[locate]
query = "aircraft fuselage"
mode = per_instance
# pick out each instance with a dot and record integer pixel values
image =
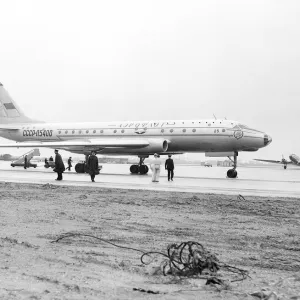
(295, 159)
(180, 136)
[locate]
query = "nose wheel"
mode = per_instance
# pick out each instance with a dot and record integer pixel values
(141, 168)
(232, 173)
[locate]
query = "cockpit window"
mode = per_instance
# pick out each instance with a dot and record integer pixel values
(244, 127)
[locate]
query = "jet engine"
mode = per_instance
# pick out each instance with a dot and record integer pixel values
(156, 145)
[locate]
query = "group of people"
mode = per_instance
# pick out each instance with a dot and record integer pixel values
(47, 162)
(92, 165)
(155, 167)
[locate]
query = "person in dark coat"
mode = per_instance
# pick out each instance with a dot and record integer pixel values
(25, 162)
(46, 163)
(169, 165)
(69, 163)
(93, 165)
(59, 165)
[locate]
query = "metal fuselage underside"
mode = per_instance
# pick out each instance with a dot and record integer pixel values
(181, 136)
(295, 159)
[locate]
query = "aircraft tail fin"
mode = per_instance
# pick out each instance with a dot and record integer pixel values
(9, 110)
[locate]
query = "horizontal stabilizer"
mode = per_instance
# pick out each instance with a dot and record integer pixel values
(8, 127)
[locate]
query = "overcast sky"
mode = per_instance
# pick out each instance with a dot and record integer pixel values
(141, 60)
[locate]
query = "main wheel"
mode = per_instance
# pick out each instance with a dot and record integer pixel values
(79, 168)
(134, 169)
(144, 169)
(231, 173)
(284, 167)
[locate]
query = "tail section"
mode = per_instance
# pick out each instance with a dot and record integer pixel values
(9, 110)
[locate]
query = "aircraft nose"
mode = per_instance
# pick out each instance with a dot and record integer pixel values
(267, 139)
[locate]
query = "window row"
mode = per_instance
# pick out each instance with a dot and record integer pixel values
(115, 131)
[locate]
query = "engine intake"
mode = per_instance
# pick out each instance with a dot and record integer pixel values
(157, 145)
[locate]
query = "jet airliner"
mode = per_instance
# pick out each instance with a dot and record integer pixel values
(294, 160)
(215, 137)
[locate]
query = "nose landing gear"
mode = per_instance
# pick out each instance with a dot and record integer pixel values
(140, 167)
(232, 173)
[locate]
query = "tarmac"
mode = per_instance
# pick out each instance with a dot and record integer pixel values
(268, 182)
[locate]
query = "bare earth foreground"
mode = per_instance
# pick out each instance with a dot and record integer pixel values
(258, 234)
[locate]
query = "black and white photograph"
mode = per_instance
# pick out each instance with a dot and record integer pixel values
(149, 149)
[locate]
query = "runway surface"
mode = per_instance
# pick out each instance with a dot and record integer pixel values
(273, 181)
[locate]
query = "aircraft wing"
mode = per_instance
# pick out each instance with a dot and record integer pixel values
(8, 127)
(101, 143)
(274, 161)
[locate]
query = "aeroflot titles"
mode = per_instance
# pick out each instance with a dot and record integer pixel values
(154, 124)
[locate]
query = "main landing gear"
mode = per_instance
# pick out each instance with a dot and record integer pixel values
(232, 173)
(140, 167)
(81, 167)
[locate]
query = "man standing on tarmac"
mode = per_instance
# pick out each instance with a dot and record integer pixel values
(25, 162)
(69, 163)
(93, 166)
(155, 167)
(59, 165)
(169, 165)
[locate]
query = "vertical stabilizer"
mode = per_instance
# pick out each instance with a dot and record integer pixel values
(9, 110)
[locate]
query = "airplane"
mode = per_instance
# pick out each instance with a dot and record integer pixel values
(141, 138)
(294, 160)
